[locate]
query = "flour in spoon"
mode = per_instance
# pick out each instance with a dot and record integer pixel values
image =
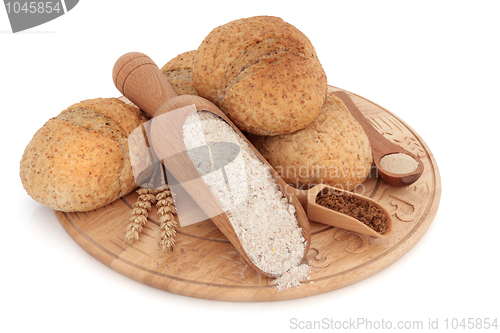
(263, 218)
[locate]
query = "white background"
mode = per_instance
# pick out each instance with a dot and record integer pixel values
(435, 64)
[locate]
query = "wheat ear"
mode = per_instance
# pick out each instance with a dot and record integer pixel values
(139, 213)
(166, 211)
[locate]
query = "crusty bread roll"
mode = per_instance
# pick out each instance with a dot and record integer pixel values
(263, 73)
(333, 150)
(79, 160)
(179, 73)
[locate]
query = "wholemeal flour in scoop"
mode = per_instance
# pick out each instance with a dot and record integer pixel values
(263, 218)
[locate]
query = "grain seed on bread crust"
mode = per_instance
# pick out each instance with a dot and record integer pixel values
(263, 73)
(79, 160)
(179, 73)
(333, 150)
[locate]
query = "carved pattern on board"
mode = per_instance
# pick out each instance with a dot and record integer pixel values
(393, 130)
(406, 205)
(356, 242)
(317, 259)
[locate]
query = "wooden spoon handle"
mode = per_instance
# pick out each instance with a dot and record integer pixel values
(370, 131)
(379, 144)
(139, 79)
(382, 146)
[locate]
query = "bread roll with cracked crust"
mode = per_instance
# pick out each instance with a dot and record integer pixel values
(179, 73)
(79, 160)
(263, 73)
(333, 150)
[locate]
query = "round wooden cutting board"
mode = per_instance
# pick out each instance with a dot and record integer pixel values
(205, 265)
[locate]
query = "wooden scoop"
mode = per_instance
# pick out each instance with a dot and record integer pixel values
(318, 213)
(382, 147)
(139, 79)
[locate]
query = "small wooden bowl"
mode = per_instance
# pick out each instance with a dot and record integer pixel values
(318, 213)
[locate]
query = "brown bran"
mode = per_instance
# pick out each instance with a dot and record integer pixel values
(363, 211)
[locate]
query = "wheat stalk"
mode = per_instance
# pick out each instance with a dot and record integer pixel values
(166, 211)
(139, 213)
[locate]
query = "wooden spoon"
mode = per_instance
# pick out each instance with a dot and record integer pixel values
(382, 147)
(139, 79)
(318, 213)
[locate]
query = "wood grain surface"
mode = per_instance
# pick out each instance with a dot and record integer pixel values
(205, 265)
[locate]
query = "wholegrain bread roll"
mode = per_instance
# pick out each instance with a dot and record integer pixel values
(179, 73)
(79, 160)
(333, 150)
(263, 73)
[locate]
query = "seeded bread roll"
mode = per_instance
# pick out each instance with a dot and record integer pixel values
(333, 150)
(79, 160)
(263, 73)
(179, 73)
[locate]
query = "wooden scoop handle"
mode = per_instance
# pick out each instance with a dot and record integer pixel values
(139, 78)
